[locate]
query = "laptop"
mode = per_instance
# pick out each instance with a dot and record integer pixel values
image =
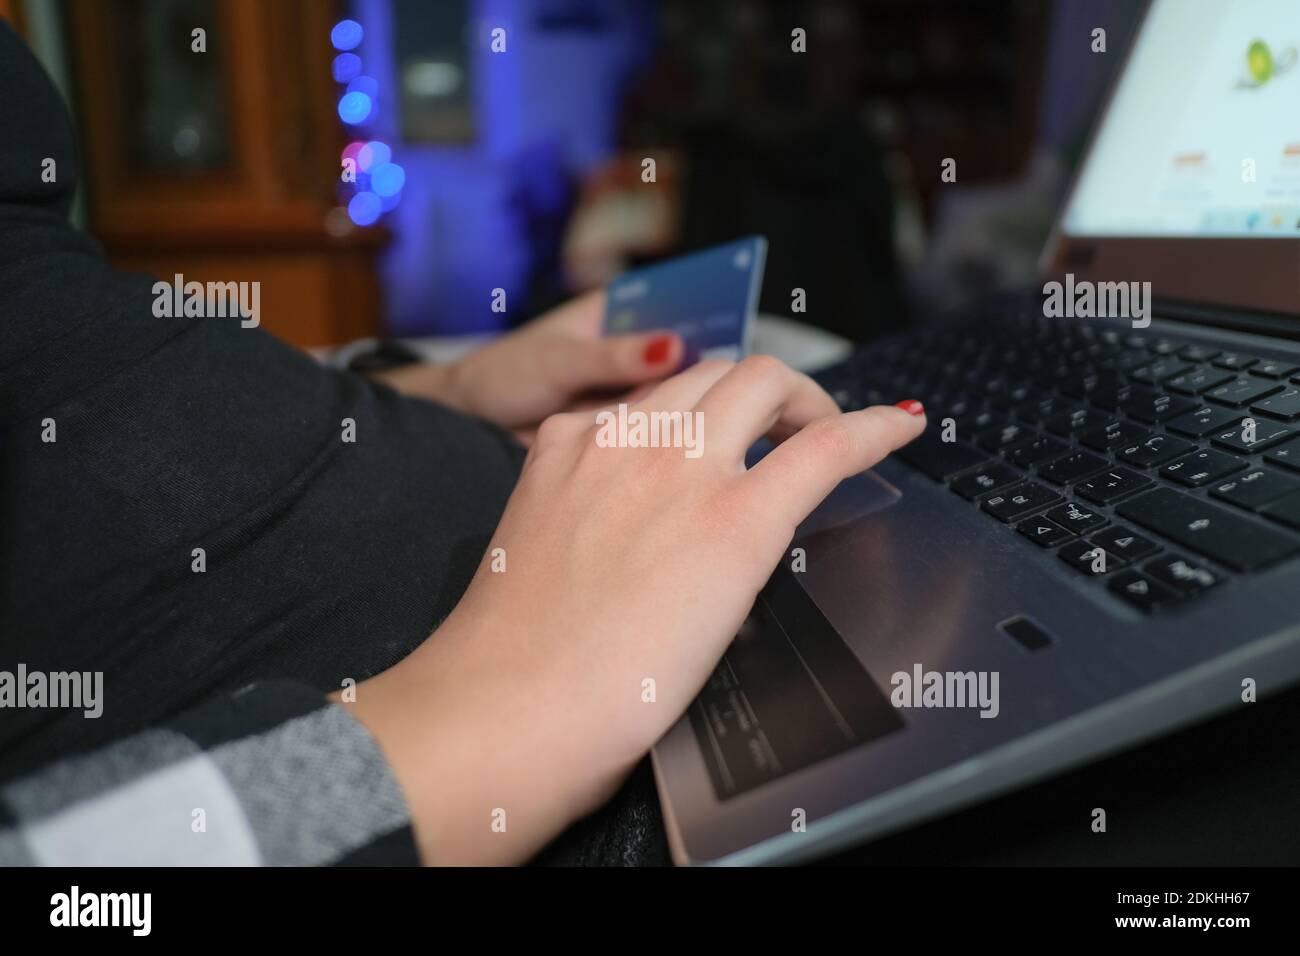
(1098, 538)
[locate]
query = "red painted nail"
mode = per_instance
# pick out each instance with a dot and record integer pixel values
(657, 350)
(911, 406)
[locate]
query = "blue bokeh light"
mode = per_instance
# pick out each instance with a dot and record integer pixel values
(372, 154)
(355, 108)
(346, 35)
(433, 277)
(346, 67)
(365, 84)
(387, 179)
(364, 208)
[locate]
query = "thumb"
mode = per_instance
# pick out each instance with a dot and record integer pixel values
(619, 360)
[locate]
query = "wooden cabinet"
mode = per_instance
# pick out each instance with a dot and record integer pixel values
(222, 164)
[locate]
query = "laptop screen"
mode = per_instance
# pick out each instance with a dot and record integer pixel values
(1202, 135)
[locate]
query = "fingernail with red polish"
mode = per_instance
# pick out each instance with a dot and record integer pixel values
(658, 348)
(911, 406)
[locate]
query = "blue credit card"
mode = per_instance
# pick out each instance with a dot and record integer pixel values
(708, 298)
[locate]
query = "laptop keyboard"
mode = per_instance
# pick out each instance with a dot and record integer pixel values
(1129, 455)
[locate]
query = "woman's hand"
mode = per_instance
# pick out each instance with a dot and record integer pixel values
(617, 567)
(549, 365)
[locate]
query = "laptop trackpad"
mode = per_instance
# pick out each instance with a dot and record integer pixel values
(853, 498)
(788, 694)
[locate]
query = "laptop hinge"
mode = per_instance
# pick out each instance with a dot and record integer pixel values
(1260, 323)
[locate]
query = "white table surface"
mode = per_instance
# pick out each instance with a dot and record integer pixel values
(799, 345)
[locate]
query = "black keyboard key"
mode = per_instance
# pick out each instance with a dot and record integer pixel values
(939, 459)
(1051, 372)
(1157, 372)
(1198, 353)
(1263, 435)
(1083, 384)
(1113, 435)
(984, 387)
(1124, 542)
(1156, 450)
(1271, 368)
(1284, 405)
(1131, 359)
(955, 407)
(1111, 486)
(845, 399)
(1243, 391)
(1203, 421)
(1285, 510)
(1072, 467)
(1020, 501)
(1075, 518)
(1090, 559)
(1039, 450)
(1043, 532)
(1202, 467)
(1198, 380)
(1040, 409)
(1148, 406)
(1013, 395)
(978, 419)
(1255, 488)
(1004, 436)
(1181, 574)
(1143, 592)
(1287, 454)
(1081, 419)
(986, 480)
(1235, 361)
(1111, 395)
(1209, 529)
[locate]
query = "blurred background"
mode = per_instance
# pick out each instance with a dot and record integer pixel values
(382, 166)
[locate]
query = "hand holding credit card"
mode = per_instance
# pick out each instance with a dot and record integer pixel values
(708, 298)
